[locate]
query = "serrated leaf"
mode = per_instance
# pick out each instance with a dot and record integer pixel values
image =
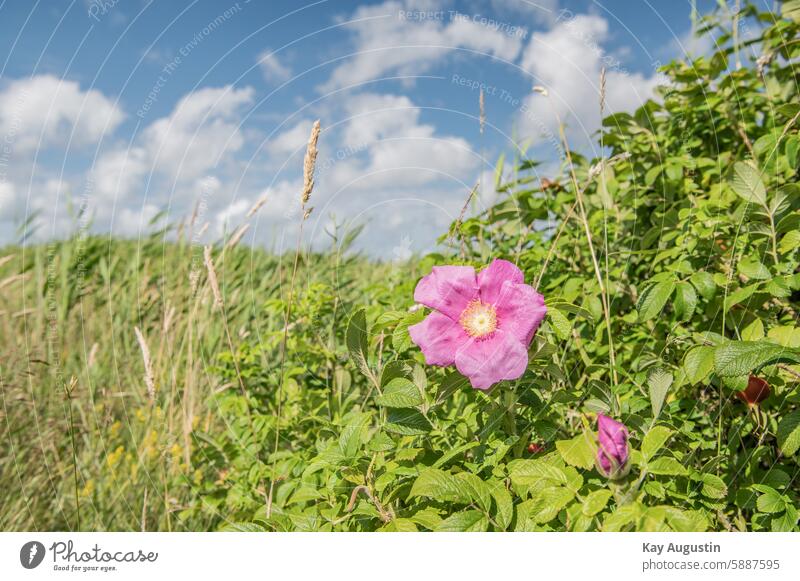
(658, 383)
(595, 502)
(467, 521)
(789, 433)
(770, 502)
(747, 183)
(406, 421)
(666, 466)
(399, 525)
(549, 503)
(560, 324)
(753, 268)
(530, 472)
(400, 393)
(653, 299)
(698, 363)
(704, 283)
(357, 340)
(754, 331)
(401, 340)
(439, 485)
(352, 435)
(578, 451)
(685, 301)
(714, 486)
(504, 504)
(654, 440)
(738, 358)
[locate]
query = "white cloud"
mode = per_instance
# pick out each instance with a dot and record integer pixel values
(45, 111)
(290, 141)
(203, 127)
(272, 68)
(389, 43)
(7, 198)
(398, 151)
(202, 131)
(567, 60)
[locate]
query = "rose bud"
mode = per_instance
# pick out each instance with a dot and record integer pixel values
(612, 452)
(757, 391)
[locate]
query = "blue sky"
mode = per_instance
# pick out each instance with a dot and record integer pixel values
(131, 107)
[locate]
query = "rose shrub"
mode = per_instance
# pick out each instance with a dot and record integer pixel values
(688, 290)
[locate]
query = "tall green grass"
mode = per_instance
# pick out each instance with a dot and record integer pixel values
(70, 364)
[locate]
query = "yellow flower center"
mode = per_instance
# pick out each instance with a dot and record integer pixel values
(479, 319)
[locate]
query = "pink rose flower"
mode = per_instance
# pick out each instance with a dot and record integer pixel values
(484, 324)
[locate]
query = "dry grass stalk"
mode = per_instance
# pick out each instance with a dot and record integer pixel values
(257, 206)
(212, 277)
(93, 355)
(309, 163)
(602, 91)
(5, 259)
(149, 378)
(237, 235)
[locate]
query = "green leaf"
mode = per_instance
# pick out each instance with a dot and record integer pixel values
(770, 501)
(461, 488)
(401, 340)
(713, 486)
(560, 324)
(578, 451)
(399, 525)
(753, 268)
(747, 183)
(737, 358)
(789, 433)
(685, 301)
(353, 434)
(595, 502)
(244, 527)
(666, 466)
(467, 521)
(789, 242)
(704, 283)
(439, 485)
(357, 339)
(504, 504)
(698, 363)
(658, 382)
(400, 393)
(532, 472)
(754, 331)
(407, 421)
(654, 440)
(549, 503)
(786, 522)
(653, 299)
(791, 10)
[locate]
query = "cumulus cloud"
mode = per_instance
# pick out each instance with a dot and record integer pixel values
(291, 140)
(399, 150)
(272, 68)
(44, 111)
(567, 60)
(202, 132)
(393, 38)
